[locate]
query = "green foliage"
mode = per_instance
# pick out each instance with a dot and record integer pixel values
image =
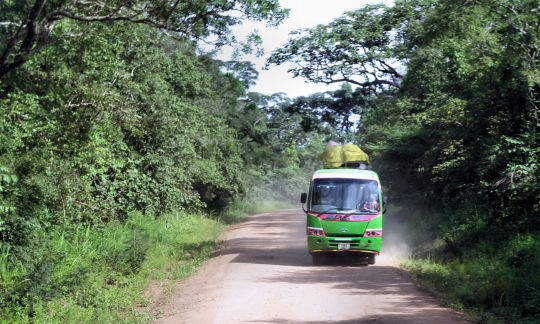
(5, 180)
(239, 210)
(104, 135)
(459, 144)
(358, 48)
(96, 274)
(28, 26)
(335, 113)
(131, 134)
(500, 286)
(107, 128)
(454, 120)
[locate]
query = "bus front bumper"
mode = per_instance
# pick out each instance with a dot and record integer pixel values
(318, 244)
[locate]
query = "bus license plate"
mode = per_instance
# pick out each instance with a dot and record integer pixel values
(344, 246)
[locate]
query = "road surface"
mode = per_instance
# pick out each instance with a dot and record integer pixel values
(263, 274)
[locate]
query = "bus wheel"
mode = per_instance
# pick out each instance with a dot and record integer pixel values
(318, 259)
(371, 259)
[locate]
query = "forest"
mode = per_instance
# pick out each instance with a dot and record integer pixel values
(122, 137)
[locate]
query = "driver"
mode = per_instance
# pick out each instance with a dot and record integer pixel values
(372, 203)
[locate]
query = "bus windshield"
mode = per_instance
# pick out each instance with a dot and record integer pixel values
(344, 196)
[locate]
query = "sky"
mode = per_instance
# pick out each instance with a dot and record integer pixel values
(303, 14)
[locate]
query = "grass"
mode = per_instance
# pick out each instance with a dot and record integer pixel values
(96, 275)
(500, 286)
(9, 271)
(238, 211)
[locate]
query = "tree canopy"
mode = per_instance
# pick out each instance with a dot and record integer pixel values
(27, 26)
(362, 47)
(336, 114)
(461, 116)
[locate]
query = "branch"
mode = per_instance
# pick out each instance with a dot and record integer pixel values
(390, 70)
(56, 15)
(191, 22)
(376, 82)
(32, 28)
(27, 32)
(8, 23)
(63, 13)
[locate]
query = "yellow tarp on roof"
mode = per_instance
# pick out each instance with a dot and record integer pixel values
(335, 156)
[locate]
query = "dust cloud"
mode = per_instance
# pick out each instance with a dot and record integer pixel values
(395, 246)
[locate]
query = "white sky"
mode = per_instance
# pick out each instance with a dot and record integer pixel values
(303, 14)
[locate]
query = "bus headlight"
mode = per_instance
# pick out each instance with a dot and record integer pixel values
(373, 233)
(317, 231)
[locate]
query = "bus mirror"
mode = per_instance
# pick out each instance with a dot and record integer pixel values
(303, 198)
(384, 203)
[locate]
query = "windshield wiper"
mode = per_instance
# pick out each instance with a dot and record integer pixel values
(348, 211)
(361, 211)
(338, 210)
(333, 208)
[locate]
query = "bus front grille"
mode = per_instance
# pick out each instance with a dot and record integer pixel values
(344, 235)
(334, 243)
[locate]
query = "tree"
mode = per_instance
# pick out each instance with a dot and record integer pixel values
(27, 26)
(334, 113)
(362, 48)
(243, 71)
(465, 123)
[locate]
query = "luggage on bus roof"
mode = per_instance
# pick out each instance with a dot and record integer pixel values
(336, 156)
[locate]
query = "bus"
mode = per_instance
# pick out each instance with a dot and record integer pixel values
(344, 214)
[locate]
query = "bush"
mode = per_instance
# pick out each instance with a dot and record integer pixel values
(499, 285)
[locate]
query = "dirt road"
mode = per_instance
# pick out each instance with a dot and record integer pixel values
(265, 275)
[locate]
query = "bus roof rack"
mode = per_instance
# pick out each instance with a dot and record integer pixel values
(363, 165)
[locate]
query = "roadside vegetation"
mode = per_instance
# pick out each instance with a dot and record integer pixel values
(96, 275)
(239, 210)
(125, 147)
(123, 151)
(492, 285)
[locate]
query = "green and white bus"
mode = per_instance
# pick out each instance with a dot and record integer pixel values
(344, 214)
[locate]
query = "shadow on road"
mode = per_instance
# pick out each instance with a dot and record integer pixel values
(418, 317)
(374, 279)
(273, 239)
(259, 251)
(276, 239)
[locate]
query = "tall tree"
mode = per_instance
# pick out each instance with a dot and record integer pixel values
(465, 124)
(334, 113)
(363, 48)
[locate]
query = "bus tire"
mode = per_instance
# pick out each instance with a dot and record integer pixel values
(371, 259)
